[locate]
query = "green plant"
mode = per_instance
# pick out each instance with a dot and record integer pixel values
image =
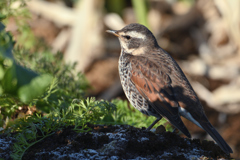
(129, 115)
(20, 86)
(46, 62)
(35, 86)
(17, 82)
(33, 129)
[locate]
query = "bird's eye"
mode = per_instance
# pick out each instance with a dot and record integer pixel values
(127, 37)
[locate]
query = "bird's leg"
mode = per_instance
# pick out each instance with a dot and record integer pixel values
(158, 119)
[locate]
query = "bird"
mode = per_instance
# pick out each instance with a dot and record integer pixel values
(155, 85)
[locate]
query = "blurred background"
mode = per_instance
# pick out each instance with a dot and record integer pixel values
(203, 36)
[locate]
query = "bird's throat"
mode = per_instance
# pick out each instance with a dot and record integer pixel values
(135, 51)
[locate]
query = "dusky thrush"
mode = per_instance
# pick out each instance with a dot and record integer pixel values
(155, 84)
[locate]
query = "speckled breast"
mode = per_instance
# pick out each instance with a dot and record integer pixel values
(135, 98)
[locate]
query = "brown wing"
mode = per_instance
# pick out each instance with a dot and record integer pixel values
(154, 84)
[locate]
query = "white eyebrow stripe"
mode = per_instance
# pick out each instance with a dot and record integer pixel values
(136, 34)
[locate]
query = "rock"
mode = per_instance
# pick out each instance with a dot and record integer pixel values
(119, 142)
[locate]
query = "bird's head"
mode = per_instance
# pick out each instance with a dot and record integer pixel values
(135, 38)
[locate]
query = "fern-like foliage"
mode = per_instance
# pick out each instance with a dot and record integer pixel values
(35, 128)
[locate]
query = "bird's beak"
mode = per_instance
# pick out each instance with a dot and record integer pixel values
(114, 32)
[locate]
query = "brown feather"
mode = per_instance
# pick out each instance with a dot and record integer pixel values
(157, 90)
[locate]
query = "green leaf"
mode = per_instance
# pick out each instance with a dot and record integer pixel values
(1, 72)
(24, 75)
(35, 88)
(108, 118)
(6, 45)
(1, 25)
(16, 76)
(9, 81)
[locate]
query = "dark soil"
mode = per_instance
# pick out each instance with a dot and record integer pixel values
(121, 142)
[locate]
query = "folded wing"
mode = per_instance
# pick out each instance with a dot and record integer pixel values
(155, 86)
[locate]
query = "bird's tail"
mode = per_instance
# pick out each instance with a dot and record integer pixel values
(216, 136)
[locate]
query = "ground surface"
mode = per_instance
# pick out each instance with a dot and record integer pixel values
(117, 142)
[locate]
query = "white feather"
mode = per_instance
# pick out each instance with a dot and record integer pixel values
(183, 112)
